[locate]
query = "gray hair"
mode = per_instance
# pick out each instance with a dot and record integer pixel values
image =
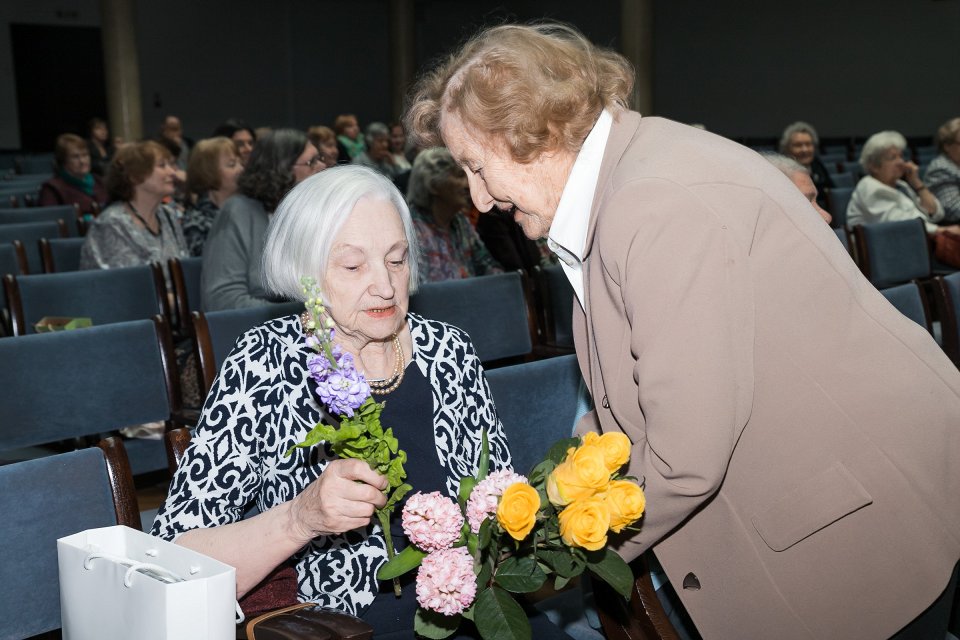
(431, 167)
(376, 130)
(788, 166)
(798, 127)
(878, 144)
(308, 219)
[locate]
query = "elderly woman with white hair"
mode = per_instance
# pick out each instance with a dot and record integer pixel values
(438, 195)
(350, 229)
(800, 141)
(892, 190)
(378, 155)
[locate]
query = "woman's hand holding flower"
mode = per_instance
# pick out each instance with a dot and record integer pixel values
(343, 498)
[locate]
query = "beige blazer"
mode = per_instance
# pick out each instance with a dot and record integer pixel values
(799, 438)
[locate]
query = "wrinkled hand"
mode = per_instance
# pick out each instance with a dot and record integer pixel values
(343, 498)
(911, 173)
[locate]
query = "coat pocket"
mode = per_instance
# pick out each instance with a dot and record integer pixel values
(820, 501)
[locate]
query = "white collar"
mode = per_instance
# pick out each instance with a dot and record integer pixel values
(572, 219)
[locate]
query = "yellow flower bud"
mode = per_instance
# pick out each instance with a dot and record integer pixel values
(517, 511)
(584, 523)
(580, 476)
(626, 503)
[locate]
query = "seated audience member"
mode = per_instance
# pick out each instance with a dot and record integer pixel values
(800, 176)
(73, 182)
(100, 146)
(892, 189)
(212, 176)
(800, 142)
(171, 134)
(348, 137)
(241, 134)
(398, 146)
(943, 174)
(378, 155)
(230, 277)
(137, 228)
(324, 139)
(314, 508)
(438, 195)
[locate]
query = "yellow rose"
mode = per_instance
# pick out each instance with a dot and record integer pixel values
(584, 523)
(580, 476)
(615, 447)
(626, 502)
(517, 511)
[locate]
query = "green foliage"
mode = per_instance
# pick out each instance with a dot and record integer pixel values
(612, 569)
(406, 560)
(499, 617)
(433, 625)
(520, 575)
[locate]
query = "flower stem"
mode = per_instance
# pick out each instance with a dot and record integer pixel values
(384, 516)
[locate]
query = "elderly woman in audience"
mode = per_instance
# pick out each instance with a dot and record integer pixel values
(378, 155)
(231, 255)
(398, 146)
(212, 174)
(943, 174)
(800, 142)
(892, 189)
(324, 139)
(241, 134)
(800, 176)
(347, 129)
(74, 183)
(438, 195)
(100, 145)
(314, 508)
(138, 228)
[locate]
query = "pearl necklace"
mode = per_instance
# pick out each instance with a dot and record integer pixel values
(383, 387)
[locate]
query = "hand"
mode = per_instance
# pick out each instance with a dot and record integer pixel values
(911, 173)
(343, 498)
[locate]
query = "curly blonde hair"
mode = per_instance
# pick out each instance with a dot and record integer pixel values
(538, 88)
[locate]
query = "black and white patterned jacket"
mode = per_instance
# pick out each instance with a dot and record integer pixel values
(263, 402)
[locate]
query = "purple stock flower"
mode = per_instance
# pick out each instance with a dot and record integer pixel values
(343, 389)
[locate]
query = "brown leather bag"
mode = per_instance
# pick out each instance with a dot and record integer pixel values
(947, 248)
(302, 621)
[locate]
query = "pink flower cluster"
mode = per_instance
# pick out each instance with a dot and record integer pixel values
(432, 521)
(484, 498)
(446, 582)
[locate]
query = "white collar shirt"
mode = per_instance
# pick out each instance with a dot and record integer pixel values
(568, 231)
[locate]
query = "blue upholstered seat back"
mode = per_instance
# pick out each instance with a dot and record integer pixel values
(42, 500)
(191, 276)
(29, 233)
(21, 215)
(226, 326)
(537, 404)
(491, 309)
(8, 260)
(65, 253)
(104, 295)
(61, 385)
(896, 252)
(842, 236)
(561, 304)
(908, 301)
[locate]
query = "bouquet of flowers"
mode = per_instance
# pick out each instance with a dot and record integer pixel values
(509, 534)
(346, 393)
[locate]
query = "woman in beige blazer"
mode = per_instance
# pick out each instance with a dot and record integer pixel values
(799, 438)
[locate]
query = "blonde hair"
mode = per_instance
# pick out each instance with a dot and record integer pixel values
(947, 133)
(203, 168)
(538, 88)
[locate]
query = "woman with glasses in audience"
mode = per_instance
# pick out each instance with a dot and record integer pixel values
(231, 254)
(138, 227)
(73, 183)
(212, 173)
(943, 174)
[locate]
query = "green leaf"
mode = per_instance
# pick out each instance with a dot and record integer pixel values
(563, 563)
(485, 533)
(611, 568)
(484, 466)
(558, 452)
(433, 625)
(397, 496)
(466, 488)
(499, 617)
(468, 613)
(472, 544)
(520, 575)
(404, 561)
(560, 583)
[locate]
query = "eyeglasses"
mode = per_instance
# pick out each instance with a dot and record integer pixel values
(312, 162)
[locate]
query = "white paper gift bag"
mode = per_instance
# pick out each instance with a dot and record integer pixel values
(118, 583)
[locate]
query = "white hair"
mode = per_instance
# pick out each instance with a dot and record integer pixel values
(787, 166)
(798, 127)
(877, 145)
(308, 219)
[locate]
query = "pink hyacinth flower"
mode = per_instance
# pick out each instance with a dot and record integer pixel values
(483, 500)
(432, 521)
(446, 582)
